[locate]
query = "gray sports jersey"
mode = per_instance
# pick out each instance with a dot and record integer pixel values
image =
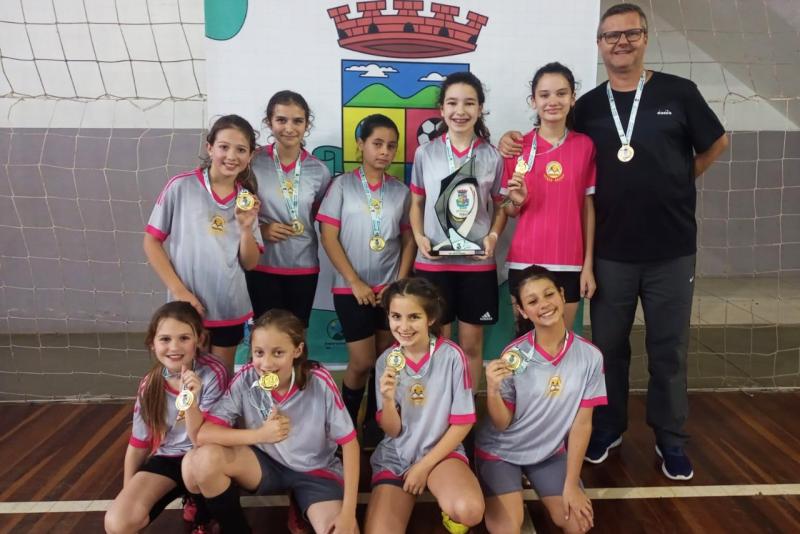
(430, 168)
(318, 418)
(426, 413)
(297, 254)
(204, 246)
(345, 206)
(176, 441)
(545, 399)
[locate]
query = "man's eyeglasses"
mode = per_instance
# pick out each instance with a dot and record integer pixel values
(631, 35)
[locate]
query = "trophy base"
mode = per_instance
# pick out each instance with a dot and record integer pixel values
(452, 252)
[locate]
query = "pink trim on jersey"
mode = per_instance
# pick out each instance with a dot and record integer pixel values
(155, 232)
(349, 290)
(329, 220)
(384, 475)
(281, 398)
(260, 247)
(438, 267)
(207, 416)
(416, 366)
(487, 456)
(286, 168)
(462, 419)
(347, 439)
(462, 153)
(288, 271)
(498, 198)
(172, 180)
(138, 443)
(558, 357)
(228, 322)
(199, 174)
(377, 185)
(417, 190)
(324, 375)
(169, 388)
(324, 473)
(464, 361)
(405, 227)
(246, 367)
(219, 369)
(457, 456)
(510, 405)
(596, 401)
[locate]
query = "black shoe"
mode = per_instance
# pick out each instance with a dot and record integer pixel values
(599, 445)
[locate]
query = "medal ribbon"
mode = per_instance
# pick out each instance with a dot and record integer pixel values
(207, 182)
(529, 354)
(431, 346)
(625, 136)
(263, 410)
(532, 155)
(292, 199)
(375, 213)
(451, 160)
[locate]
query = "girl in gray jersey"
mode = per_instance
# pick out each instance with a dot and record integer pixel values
(292, 183)
(291, 419)
(365, 232)
(162, 433)
(426, 409)
(540, 393)
(203, 234)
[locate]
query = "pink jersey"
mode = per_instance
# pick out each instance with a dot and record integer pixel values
(549, 228)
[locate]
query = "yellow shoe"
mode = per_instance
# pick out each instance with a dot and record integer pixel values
(452, 526)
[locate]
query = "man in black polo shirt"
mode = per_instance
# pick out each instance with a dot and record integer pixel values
(654, 134)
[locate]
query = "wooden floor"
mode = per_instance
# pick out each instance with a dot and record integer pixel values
(60, 452)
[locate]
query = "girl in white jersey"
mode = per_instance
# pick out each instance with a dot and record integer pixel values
(292, 183)
(540, 395)
(426, 409)
(181, 377)
(203, 234)
(467, 283)
(365, 231)
(291, 419)
(550, 189)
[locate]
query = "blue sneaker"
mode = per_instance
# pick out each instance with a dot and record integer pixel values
(599, 445)
(675, 464)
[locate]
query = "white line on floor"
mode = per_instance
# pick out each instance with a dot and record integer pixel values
(656, 492)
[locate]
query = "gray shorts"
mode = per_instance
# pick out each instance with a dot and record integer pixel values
(308, 489)
(547, 477)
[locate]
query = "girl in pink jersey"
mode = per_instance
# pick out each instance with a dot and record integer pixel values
(182, 384)
(550, 189)
(277, 428)
(203, 234)
(426, 410)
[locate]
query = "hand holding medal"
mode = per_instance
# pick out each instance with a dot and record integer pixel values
(247, 205)
(496, 371)
(390, 378)
(191, 386)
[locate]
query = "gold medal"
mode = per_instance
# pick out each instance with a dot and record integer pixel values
(417, 392)
(375, 204)
(245, 200)
(297, 227)
(554, 386)
(513, 359)
(554, 171)
(289, 186)
(183, 402)
(269, 381)
(377, 243)
(396, 360)
(521, 167)
(217, 224)
(625, 153)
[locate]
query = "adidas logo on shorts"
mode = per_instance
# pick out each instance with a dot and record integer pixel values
(486, 316)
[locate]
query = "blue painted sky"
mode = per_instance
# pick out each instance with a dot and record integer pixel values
(404, 78)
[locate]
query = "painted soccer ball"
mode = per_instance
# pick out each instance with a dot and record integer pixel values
(426, 129)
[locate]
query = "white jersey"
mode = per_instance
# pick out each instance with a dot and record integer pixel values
(431, 166)
(176, 440)
(203, 245)
(544, 398)
(431, 395)
(319, 421)
(298, 254)
(345, 207)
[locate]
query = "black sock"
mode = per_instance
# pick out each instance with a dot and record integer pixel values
(227, 510)
(203, 515)
(372, 403)
(352, 401)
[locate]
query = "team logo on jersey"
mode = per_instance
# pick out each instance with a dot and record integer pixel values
(554, 386)
(554, 171)
(417, 392)
(217, 224)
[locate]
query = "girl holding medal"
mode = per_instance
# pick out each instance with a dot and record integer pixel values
(287, 272)
(467, 283)
(540, 393)
(291, 421)
(210, 218)
(426, 409)
(365, 231)
(181, 386)
(550, 189)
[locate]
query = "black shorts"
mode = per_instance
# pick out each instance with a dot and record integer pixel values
(471, 296)
(226, 336)
(170, 467)
(307, 489)
(294, 293)
(358, 321)
(569, 280)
